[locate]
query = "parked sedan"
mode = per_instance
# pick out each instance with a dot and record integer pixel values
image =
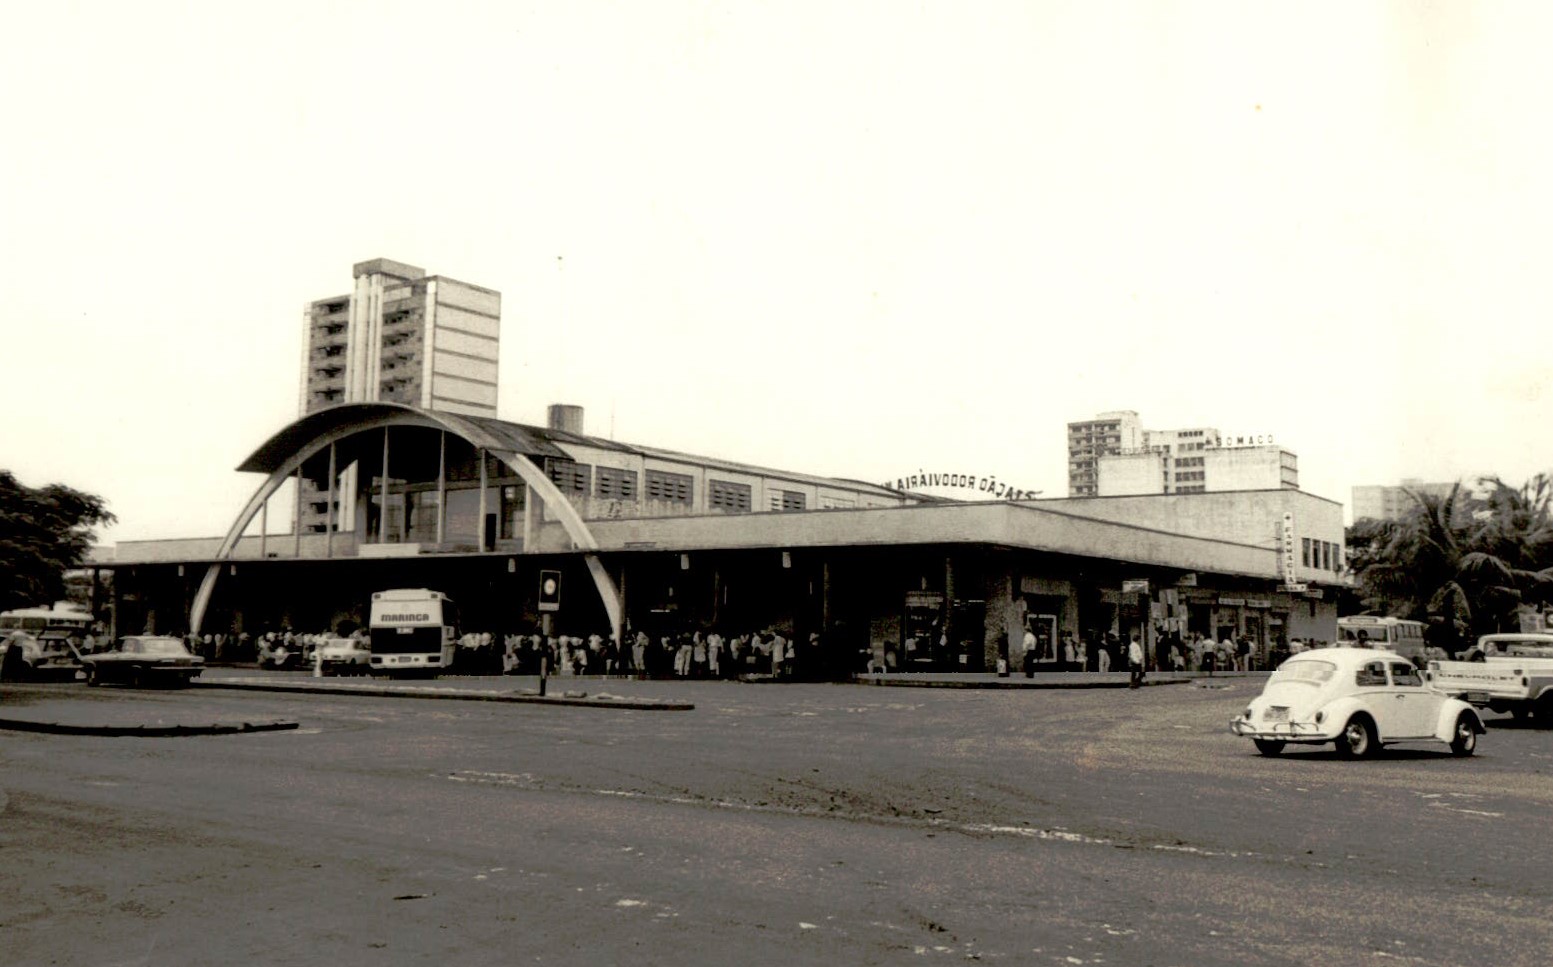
(144, 660)
(1357, 698)
(48, 655)
(344, 656)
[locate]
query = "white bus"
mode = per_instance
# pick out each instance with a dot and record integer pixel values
(413, 632)
(1401, 635)
(34, 620)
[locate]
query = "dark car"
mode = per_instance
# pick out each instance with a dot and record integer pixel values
(144, 660)
(47, 655)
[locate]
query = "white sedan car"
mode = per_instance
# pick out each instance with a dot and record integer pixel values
(344, 656)
(1358, 698)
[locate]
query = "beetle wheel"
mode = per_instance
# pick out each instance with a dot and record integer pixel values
(1465, 738)
(1358, 740)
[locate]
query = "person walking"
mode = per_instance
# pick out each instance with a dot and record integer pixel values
(1028, 656)
(1069, 653)
(698, 659)
(639, 654)
(1135, 661)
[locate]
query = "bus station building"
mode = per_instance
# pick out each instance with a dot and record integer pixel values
(666, 542)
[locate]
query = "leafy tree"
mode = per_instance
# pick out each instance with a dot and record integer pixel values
(44, 532)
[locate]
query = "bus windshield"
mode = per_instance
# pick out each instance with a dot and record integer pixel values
(405, 640)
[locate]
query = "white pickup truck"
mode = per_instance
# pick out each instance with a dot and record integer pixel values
(1514, 674)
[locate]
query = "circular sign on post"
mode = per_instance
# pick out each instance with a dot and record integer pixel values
(549, 590)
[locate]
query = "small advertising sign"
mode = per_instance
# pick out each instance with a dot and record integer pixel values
(1286, 558)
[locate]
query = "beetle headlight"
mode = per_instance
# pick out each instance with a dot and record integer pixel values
(1246, 714)
(1320, 716)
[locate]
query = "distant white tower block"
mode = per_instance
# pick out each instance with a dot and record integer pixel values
(403, 336)
(400, 336)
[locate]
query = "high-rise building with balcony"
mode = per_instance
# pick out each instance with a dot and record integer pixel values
(1113, 454)
(400, 336)
(405, 337)
(1089, 440)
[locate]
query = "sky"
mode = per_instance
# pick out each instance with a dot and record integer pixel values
(844, 238)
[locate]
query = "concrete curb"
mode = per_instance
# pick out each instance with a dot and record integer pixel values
(1050, 680)
(452, 694)
(143, 731)
(899, 681)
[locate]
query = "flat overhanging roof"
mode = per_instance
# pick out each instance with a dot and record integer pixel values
(1025, 526)
(1018, 526)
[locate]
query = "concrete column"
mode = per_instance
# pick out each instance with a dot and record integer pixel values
(531, 507)
(480, 527)
(949, 595)
(296, 525)
(825, 598)
(329, 527)
(442, 485)
(382, 517)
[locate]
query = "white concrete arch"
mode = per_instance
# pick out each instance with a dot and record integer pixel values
(401, 416)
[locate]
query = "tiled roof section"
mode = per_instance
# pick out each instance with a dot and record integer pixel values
(529, 440)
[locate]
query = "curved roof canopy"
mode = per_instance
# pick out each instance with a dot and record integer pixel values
(480, 431)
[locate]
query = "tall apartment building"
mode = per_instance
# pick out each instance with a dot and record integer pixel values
(1089, 440)
(1383, 502)
(406, 337)
(400, 336)
(1113, 454)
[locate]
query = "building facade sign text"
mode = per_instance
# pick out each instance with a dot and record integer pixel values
(989, 486)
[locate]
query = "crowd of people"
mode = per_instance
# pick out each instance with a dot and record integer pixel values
(693, 655)
(712, 655)
(1170, 652)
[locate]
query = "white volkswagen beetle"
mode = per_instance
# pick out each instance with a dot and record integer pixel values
(1359, 698)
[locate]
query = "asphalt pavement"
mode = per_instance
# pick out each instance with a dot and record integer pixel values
(788, 824)
(154, 718)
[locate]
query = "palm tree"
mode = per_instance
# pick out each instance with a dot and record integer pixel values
(1464, 564)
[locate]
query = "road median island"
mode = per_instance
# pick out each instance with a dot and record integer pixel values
(143, 731)
(572, 699)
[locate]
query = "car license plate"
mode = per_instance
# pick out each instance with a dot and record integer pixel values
(405, 659)
(1478, 698)
(1276, 713)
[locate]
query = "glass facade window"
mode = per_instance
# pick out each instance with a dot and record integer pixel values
(1305, 551)
(512, 498)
